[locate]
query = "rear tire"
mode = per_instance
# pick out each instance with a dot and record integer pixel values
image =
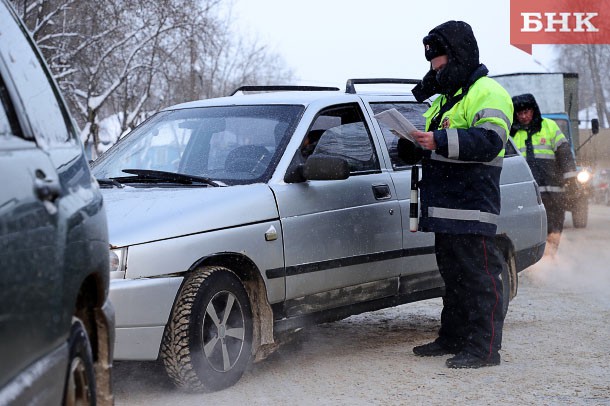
(79, 388)
(207, 344)
(509, 273)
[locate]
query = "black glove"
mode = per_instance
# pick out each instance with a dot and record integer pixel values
(409, 152)
(428, 87)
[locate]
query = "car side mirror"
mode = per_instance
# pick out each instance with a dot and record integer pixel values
(324, 167)
(594, 126)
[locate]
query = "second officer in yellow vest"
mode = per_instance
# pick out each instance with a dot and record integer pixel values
(550, 159)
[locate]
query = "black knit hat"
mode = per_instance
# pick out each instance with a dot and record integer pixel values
(434, 46)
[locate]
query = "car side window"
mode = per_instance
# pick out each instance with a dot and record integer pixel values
(8, 119)
(414, 113)
(341, 132)
(49, 123)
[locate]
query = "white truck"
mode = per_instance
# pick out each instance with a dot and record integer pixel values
(557, 97)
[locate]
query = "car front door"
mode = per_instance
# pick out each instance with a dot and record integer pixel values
(342, 237)
(37, 144)
(421, 269)
(28, 247)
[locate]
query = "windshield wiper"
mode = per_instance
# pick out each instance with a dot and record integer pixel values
(109, 182)
(167, 176)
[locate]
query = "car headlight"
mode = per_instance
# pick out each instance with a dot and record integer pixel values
(583, 176)
(118, 263)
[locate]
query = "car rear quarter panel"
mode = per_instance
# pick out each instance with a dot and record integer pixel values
(523, 217)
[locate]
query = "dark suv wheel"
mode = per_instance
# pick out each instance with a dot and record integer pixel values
(80, 379)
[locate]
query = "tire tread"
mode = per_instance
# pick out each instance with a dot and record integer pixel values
(175, 351)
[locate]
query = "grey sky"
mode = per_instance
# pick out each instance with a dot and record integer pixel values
(329, 41)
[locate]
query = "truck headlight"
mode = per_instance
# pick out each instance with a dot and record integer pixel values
(118, 263)
(583, 176)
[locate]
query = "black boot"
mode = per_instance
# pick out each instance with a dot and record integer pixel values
(467, 360)
(432, 349)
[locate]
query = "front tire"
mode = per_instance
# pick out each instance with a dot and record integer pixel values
(207, 344)
(79, 388)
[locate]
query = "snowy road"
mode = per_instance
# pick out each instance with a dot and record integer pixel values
(556, 349)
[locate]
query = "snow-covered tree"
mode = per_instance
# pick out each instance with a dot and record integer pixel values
(130, 58)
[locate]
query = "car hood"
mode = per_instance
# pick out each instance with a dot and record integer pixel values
(140, 215)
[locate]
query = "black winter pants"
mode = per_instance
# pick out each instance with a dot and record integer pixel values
(554, 203)
(472, 317)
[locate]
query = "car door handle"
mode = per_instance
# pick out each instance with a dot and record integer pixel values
(46, 189)
(382, 192)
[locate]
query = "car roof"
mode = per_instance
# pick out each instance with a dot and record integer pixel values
(305, 95)
(288, 97)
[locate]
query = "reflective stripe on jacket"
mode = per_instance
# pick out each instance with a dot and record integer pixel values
(552, 163)
(460, 186)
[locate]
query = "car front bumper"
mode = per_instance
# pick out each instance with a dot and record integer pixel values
(143, 307)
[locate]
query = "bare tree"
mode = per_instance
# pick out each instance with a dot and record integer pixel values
(129, 59)
(216, 64)
(587, 60)
(231, 64)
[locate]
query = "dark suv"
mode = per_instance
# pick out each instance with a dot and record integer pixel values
(56, 323)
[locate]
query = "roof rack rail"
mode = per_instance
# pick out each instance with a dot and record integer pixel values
(350, 88)
(276, 88)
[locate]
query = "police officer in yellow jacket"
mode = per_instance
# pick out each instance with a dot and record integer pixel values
(463, 149)
(550, 158)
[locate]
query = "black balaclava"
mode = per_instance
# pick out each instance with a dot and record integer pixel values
(456, 40)
(520, 103)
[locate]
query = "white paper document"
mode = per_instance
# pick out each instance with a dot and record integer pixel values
(399, 125)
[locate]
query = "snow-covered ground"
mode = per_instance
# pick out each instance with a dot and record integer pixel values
(556, 349)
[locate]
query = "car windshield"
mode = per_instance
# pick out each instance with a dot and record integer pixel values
(230, 144)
